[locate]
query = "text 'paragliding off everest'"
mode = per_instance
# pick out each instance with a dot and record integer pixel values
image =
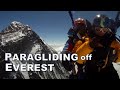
(15, 64)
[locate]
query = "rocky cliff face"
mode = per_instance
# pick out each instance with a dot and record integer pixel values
(19, 38)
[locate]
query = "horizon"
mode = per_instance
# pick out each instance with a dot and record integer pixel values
(51, 26)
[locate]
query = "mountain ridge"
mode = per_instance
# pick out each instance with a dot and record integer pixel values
(20, 38)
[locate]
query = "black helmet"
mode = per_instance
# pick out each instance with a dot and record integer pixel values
(102, 21)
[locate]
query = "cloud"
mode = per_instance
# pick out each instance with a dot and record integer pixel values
(58, 48)
(117, 67)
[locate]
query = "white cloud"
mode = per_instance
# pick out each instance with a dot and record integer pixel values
(117, 68)
(58, 48)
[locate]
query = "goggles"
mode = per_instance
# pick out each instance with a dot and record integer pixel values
(103, 22)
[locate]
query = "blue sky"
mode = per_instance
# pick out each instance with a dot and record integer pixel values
(52, 26)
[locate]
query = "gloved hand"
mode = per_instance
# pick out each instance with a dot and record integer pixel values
(95, 42)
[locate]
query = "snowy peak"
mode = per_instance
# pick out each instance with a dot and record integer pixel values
(16, 26)
(14, 32)
(20, 26)
(16, 23)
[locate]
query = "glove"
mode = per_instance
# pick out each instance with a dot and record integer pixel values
(95, 42)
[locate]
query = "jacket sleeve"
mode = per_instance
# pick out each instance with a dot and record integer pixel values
(116, 45)
(77, 45)
(68, 46)
(118, 53)
(83, 50)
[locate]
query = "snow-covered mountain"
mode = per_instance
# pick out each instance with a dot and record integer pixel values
(19, 38)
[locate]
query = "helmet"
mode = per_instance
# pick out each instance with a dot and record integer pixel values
(80, 25)
(102, 21)
(79, 21)
(102, 26)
